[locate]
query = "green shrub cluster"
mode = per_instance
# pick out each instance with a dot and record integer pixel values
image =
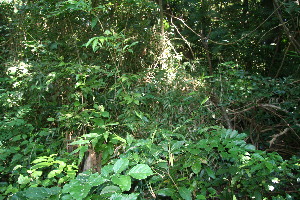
(153, 132)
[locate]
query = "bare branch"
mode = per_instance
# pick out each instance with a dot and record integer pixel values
(274, 137)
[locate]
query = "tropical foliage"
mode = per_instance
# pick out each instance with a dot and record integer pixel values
(143, 99)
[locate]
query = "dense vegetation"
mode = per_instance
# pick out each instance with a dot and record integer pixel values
(144, 99)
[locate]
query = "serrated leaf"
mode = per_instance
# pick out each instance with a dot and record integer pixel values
(140, 171)
(185, 193)
(120, 165)
(123, 181)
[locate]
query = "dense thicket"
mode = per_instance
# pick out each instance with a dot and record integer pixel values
(143, 99)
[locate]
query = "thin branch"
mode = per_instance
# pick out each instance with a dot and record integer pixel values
(230, 43)
(294, 42)
(274, 137)
(184, 39)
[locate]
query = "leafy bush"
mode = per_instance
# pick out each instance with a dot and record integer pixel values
(218, 165)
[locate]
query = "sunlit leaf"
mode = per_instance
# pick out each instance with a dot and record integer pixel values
(123, 181)
(140, 171)
(23, 179)
(121, 165)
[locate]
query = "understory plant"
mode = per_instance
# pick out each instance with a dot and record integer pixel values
(218, 165)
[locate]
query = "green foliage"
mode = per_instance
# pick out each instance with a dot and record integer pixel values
(108, 185)
(95, 103)
(220, 164)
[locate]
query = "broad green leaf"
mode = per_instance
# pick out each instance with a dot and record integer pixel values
(177, 145)
(96, 179)
(249, 147)
(166, 192)
(110, 189)
(23, 179)
(257, 195)
(99, 122)
(196, 167)
(36, 174)
(41, 192)
(53, 173)
(123, 181)
(132, 196)
(120, 165)
(185, 193)
(269, 165)
(77, 189)
(210, 172)
(105, 114)
(106, 170)
(194, 151)
(140, 171)
(233, 133)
